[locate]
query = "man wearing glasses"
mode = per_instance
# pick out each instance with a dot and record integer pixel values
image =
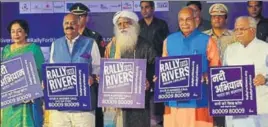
(250, 50)
(190, 41)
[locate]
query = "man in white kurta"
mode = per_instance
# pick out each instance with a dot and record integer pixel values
(250, 50)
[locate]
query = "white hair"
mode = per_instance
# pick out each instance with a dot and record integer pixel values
(194, 12)
(128, 39)
(133, 23)
(252, 21)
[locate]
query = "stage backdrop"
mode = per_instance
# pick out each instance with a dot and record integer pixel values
(46, 17)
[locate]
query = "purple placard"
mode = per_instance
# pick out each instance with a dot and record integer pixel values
(232, 91)
(179, 78)
(19, 80)
(66, 86)
(122, 83)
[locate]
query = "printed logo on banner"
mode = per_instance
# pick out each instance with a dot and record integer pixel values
(127, 5)
(94, 7)
(66, 86)
(36, 7)
(47, 7)
(115, 7)
(122, 83)
(104, 8)
(167, 78)
(58, 86)
(19, 80)
(68, 6)
(58, 7)
(41, 7)
(162, 6)
(178, 78)
(25, 7)
(137, 6)
(234, 93)
(114, 82)
(6, 84)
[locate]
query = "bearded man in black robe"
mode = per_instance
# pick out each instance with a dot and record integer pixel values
(127, 44)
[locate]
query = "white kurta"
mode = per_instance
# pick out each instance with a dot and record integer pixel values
(256, 52)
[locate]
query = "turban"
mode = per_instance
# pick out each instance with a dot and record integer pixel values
(125, 14)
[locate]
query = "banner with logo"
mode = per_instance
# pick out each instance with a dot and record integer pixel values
(50, 15)
(159, 6)
(66, 86)
(122, 83)
(232, 91)
(178, 78)
(19, 80)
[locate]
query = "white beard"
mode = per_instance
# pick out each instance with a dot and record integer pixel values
(126, 38)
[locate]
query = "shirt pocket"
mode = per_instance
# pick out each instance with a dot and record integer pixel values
(84, 57)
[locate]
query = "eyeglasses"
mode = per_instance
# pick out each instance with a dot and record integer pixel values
(186, 20)
(241, 29)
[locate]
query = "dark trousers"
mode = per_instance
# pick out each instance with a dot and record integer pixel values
(98, 111)
(99, 117)
(219, 121)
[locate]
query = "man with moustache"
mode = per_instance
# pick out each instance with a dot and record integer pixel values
(190, 41)
(75, 48)
(247, 51)
(128, 44)
(255, 11)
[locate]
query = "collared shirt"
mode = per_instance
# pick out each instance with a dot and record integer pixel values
(177, 44)
(256, 53)
(223, 41)
(70, 43)
(95, 54)
(155, 33)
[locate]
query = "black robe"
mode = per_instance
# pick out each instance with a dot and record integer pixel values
(141, 117)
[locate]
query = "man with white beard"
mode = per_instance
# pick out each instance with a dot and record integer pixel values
(128, 44)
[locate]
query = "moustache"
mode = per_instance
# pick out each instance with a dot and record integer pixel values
(123, 31)
(71, 28)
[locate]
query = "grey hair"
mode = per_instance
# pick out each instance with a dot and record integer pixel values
(252, 21)
(133, 23)
(194, 12)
